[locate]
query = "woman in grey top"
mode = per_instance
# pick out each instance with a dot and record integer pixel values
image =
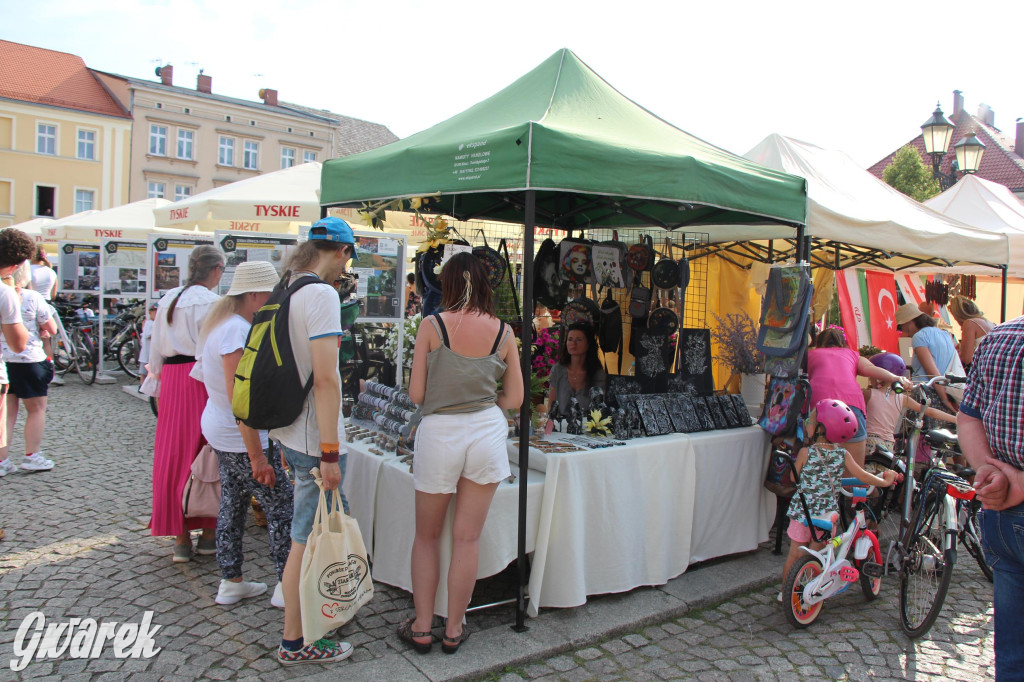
(578, 370)
(460, 450)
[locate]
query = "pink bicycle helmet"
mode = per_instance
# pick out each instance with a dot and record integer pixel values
(890, 362)
(838, 419)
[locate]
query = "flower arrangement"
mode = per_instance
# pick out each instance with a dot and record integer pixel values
(545, 356)
(411, 328)
(597, 424)
(736, 336)
(868, 351)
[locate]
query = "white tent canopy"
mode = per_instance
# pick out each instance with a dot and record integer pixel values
(848, 205)
(989, 206)
(130, 221)
(272, 202)
(33, 228)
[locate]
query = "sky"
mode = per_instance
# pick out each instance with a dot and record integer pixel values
(859, 77)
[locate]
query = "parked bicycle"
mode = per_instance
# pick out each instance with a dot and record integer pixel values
(73, 349)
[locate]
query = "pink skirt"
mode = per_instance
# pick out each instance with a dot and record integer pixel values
(179, 438)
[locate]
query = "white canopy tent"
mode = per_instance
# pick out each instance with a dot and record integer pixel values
(33, 228)
(275, 202)
(849, 206)
(130, 221)
(989, 206)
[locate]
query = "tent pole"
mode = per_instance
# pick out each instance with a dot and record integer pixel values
(524, 410)
(799, 244)
(1002, 309)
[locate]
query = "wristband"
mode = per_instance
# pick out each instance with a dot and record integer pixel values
(328, 447)
(329, 456)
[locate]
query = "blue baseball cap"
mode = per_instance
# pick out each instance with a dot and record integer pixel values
(332, 230)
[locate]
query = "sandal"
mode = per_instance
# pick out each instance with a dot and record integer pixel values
(406, 634)
(457, 641)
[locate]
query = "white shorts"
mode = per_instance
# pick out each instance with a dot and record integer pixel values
(453, 446)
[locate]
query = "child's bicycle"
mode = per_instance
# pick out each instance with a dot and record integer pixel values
(853, 556)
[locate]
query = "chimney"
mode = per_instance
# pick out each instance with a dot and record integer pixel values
(167, 74)
(269, 97)
(204, 83)
(1019, 145)
(987, 116)
(958, 106)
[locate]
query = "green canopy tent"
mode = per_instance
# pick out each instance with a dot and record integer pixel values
(562, 148)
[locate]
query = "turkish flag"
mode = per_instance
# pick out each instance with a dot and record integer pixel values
(882, 304)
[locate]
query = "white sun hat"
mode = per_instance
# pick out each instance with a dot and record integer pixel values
(253, 276)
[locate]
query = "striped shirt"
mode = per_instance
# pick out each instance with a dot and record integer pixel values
(995, 390)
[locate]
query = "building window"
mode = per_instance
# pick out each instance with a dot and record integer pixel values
(228, 118)
(84, 200)
(226, 151)
(158, 140)
(46, 139)
(185, 138)
(287, 157)
(87, 145)
(251, 155)
(182, 192)
(187, 110)
(308, 157)
(156, 190)
(46, 198)
(159, 106)
(252, 123)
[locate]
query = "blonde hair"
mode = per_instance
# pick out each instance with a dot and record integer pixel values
(22, 275)
(201, 263)
(219, 312)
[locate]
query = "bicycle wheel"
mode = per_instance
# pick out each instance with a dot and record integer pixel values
(884, 503)
(805, 570)
(61, 356)
(868, 585)
(128, 356)
(84, 358)
(970, 537)
(928, 564)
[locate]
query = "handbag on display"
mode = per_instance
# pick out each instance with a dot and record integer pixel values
(639, 299)
(574, 261)
(581, 311)
(641, 255)
(609, 262)
(609, 330)
(785, 311)
(788, 400)
(548, 288)
(200, 498)
(779, 478)
(665, 274)
(492, 261)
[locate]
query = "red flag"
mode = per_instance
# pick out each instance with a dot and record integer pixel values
(846, 309)
(882, 304)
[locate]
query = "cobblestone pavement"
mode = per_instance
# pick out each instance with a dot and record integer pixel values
(748, 638)
(77, 546)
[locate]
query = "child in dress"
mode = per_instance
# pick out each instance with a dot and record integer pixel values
(820, 465)
(885, 407)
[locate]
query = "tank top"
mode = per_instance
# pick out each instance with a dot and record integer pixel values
(883, 414)
(456, 383)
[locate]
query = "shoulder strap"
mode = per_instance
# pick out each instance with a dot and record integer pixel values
(440, 326)
(498, 339)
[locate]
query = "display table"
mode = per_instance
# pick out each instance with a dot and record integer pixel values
(598, 521)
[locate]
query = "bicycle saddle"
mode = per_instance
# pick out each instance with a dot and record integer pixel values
(940, 437)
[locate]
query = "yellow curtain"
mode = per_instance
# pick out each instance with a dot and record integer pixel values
(729, 292)
(824, 289)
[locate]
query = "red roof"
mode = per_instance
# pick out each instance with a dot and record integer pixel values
(33, 74)
(999, 163)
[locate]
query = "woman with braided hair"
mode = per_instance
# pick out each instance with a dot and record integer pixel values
(182, 399)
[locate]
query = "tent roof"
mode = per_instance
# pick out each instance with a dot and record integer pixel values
(848, 205)
(265, 203)
(988, 206)
(137, 215)
(594, 157)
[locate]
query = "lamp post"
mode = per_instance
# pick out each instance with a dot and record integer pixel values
(937, 132)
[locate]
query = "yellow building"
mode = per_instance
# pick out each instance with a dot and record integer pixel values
(64, 139)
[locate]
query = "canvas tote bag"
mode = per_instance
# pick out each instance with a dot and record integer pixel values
(335, 575)
(200, 498)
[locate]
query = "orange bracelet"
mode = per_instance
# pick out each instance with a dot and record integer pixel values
(327, 447)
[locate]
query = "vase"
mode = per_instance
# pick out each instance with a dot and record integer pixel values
(752, 388)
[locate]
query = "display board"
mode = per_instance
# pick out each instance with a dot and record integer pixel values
(379, 264)
(242, 247)
(123, 268)
(167, 258)
(79, 268)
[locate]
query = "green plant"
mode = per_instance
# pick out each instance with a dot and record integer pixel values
(869, 350)
(411, 328)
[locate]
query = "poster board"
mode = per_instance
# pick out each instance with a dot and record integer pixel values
(167, 260)
(379, 263)
(123, 268)
(242, 247)
(79, 268)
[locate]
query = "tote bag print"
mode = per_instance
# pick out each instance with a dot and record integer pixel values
(335, 578)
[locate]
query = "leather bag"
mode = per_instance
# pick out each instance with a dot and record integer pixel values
(200, 498)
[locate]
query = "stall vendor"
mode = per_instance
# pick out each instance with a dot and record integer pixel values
(578, 370)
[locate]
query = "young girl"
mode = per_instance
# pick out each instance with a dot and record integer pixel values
(885, 407)
(820, 465)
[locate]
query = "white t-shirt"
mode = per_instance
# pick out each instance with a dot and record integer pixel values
(34, 312)
(218, 421)
(144, 342)
(10, 313)
(315, 312)
(43, 279)
(179, 338)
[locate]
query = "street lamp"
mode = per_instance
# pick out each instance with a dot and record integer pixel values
(937, 132)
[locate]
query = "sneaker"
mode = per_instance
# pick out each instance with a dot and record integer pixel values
(207, 547)
(277, 599)
(57, 380)
(778, 597)
(320, 651)
(36, 462)
(6, 467)
(182, 553)
(231, 592)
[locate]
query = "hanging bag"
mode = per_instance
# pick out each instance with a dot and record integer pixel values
(785, 311)
(609, 261)
(548, 288)
(787, 400)
(641, 255)
(335, 576)
(609, 330)
(575, 261)
(200, 498)
(492, 261)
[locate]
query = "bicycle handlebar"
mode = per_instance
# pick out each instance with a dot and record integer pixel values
(939, 379)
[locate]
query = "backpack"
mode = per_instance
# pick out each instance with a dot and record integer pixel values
(548, 289)
(269, 393)
(787, 399)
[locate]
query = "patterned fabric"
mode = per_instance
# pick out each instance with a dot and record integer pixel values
(320, 650)
(995, 390)
(237, 487)
(819, 482)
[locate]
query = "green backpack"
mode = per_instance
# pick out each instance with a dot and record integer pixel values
(269, 393)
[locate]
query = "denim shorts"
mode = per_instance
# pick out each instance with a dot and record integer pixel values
(862, 426)
(307, 492)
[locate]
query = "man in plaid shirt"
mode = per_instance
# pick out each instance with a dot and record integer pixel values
(991, 428)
